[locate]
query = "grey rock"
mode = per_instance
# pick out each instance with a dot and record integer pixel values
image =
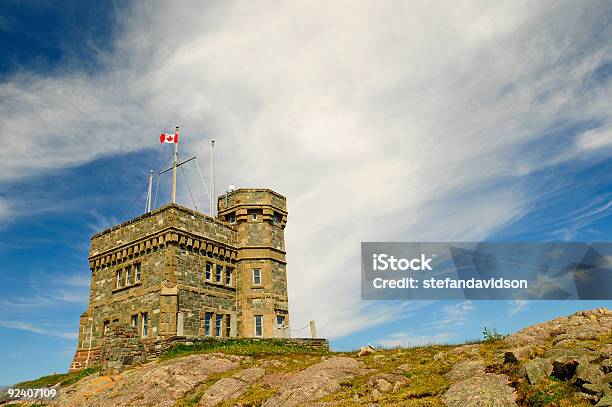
(538, 369)
(489, 390)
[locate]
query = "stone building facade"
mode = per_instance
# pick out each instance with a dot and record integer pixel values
(177, 272)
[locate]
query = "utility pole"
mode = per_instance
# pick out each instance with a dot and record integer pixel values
(174, 166)
(213, 206)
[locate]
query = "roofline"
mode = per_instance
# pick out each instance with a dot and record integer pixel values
(156, 211)
(251, 190)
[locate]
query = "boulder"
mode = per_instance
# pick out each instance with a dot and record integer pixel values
(488, 389)
(587, 373)
(538, 369)
(564, 367)
(605, 401)
(518, 354)
(363, 351)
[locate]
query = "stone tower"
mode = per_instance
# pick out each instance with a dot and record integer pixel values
(259, 217)
(175, 272)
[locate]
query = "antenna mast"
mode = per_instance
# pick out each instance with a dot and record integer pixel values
(174, 165)
(148, 205)
(212, 179)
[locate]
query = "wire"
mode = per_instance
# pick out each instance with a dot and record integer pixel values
(157, 186)
(189, 189)
(134, 201)
(202, 178)
(301, 329)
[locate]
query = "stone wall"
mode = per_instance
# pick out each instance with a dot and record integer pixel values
(123, 348)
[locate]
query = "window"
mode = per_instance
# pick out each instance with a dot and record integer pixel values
(277, 217)
(208, 272)
(145, 325)
(228, 276)
(128, 276)
(258, 325)
(228, 330)
(218, 324)
(207, 318)
(280, 320)
(218, 272)
(231, 218)
(256, 276)
(105, 328)
(135, 321)
(137, 272)
(254, 216)
(119, 279)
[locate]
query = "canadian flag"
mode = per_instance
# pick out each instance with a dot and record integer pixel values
(168, 138)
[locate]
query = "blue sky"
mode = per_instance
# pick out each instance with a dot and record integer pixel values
(404, 123)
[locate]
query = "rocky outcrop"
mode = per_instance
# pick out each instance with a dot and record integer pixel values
(498, 373)
(315, 382)
(571, 349)
(150, 385)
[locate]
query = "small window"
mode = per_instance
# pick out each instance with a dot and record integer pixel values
(277, 218)
(208, 271)
(218, 324)
(128, 276)
(135, 321)
(231, 218)
(119, 279)
(105, 328)
(228, 330)
(137, 268)
(254, 215)
(145, 325)
(258, 325)
(207, 318)
(218, 274)
(280, 321)
(229, 274)
(257, 276)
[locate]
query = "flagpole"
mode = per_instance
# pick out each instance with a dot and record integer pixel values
(175, 161)
(212, 179)
(148, 206)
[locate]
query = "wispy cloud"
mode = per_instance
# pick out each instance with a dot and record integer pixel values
(396, 121)
(25, 326)
(451, 316)
(407, 339)
(517, 306)
(47, 289)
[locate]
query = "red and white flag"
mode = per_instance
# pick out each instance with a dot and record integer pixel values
(168, 138)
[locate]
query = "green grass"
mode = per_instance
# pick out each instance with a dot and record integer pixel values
(243, 347)
(63, 379)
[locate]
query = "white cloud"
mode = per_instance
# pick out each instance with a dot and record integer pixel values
(595, 139)
(451, 316)
(378, 121)
(517, 306)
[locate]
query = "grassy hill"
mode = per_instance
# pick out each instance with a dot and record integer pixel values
(563, 362)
